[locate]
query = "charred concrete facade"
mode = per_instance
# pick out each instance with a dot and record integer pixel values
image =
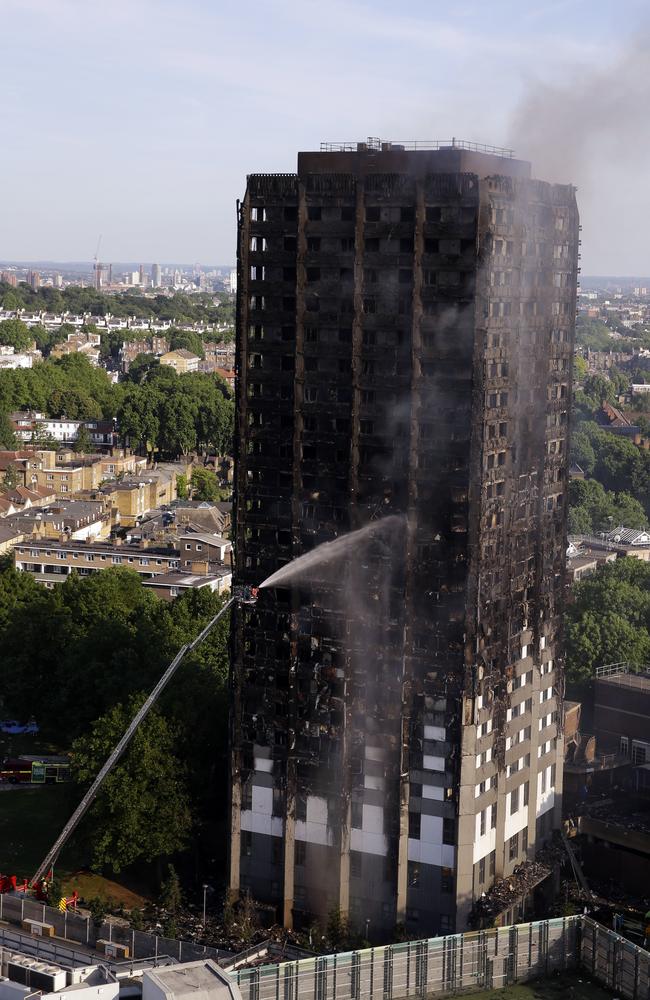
(405, 336)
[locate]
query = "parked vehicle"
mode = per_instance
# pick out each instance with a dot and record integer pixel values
(35, 769)
(15, 728)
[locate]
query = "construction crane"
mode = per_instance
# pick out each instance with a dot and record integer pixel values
(244, 595)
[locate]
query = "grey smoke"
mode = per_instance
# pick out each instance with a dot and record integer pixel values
(590, 129)
(570, 129)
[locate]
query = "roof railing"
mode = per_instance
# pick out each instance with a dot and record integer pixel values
(375, 144)
(611, 669)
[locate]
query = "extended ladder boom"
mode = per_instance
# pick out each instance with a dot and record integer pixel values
(90, 795)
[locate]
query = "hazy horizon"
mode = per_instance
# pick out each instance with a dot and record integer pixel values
(140, 120)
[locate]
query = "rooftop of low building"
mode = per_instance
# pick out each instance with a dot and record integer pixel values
(193, 581)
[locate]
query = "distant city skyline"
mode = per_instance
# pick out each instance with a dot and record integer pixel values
(134, 120)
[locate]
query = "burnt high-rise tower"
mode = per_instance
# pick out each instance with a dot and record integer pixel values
(405, 331)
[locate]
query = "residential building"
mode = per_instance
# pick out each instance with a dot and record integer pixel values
(172, 585)
(404, 347)
(64, 480)
(9, 537)
(20, 498)
(181, 361)
(228, 375)
(10, 360)
(130, 349)
(136, 496)
(76, 520)
(19, 464)
(28, 426)
(50, 561)
(182, 517)
(200, 547)
(80, 343)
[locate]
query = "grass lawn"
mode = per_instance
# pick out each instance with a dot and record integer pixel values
(30, 821)
(572, 986)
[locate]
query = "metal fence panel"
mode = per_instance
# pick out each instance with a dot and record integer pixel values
(453, 964)
(615, 961)
(75, 927)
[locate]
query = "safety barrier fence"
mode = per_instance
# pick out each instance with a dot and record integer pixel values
(459, 963)
(83, 930)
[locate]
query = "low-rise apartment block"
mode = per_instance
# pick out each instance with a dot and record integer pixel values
(51, 561)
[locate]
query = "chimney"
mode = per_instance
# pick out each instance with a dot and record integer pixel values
(200, 568)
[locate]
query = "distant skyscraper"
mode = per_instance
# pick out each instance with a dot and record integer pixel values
(58, 281)
(34, 279)
(156, 275)
(404, 346)
(9, 278)
(232, 281)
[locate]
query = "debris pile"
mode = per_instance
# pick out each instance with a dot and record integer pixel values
(509, 891)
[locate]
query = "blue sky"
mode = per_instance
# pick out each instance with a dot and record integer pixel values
(139, 119)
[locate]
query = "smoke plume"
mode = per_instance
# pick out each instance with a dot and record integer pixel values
(570, 129)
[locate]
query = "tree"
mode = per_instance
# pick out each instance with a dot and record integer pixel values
(96, 641)
(150, 782)
(582, 452)
(14, 333)
(205, 485)
(11, 479)
(82, 443)
(177, 428)
(599, 388)
(580, 368)
(186, 340)
(593, 508)
(181, 486)
(608, 620)
(17, 591)
(171, 894)
(7, 436)
(140, 367)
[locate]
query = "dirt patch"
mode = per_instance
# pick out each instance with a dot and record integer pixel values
(89, 886)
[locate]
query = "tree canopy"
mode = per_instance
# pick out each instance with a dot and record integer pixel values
(615, 461)
(594, 509)
(171, 413)
(14, 333)
(75, 652)
(608, 620)
(150, 781)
